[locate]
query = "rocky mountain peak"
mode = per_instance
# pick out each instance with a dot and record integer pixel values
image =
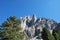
(33, 25)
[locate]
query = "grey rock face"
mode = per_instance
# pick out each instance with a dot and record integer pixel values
(33, 26)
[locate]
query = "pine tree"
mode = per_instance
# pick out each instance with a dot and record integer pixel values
(46, 35)
(56, 34)
(12, 29)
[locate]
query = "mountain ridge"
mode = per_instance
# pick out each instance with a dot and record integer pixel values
(33, 25)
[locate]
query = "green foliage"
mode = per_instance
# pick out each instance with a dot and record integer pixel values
(46, 35)
(56, 34)
(11, 21)
(12, 29)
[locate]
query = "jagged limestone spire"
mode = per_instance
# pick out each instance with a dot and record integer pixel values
(34, 18)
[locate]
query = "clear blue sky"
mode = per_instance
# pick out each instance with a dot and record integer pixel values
(42, 8)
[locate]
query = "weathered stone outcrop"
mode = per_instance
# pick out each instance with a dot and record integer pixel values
(32, 26)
